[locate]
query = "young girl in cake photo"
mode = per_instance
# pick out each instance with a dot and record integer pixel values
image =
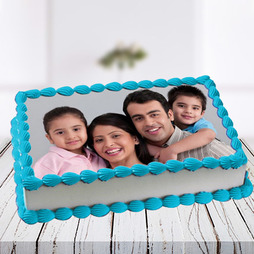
(66, 130)
(114, 137)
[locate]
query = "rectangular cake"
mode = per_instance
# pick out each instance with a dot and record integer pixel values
(139, 187)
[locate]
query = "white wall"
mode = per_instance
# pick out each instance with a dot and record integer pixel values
(58, 42)
(83, 31)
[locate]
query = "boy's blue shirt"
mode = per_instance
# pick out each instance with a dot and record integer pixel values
(200, 124)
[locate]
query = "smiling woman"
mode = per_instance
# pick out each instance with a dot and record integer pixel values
(115, 139)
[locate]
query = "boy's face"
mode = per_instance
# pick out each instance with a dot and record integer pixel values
(68, 132)
(151, 121)
(187, 110)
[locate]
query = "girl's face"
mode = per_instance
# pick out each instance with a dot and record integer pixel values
(115, 145)
(187, 110)
(68, 132)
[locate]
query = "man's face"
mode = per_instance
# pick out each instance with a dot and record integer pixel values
(151, 121)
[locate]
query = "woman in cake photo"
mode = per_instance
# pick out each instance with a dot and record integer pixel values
(66, 130)
(116, 140)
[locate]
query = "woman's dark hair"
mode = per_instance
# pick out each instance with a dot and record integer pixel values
(187, 91)
(122, 122)
(60, 111)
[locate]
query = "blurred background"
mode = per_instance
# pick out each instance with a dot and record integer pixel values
(54, 43)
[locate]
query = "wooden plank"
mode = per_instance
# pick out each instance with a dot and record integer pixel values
(6, 165)
(246, 208)
(129, 233)
(165, 234)
(7, 203)
(197, 228)
(4, 144)
(20, 237)
(248, 151)
(58, 236)
(94, 235)
(230, 228)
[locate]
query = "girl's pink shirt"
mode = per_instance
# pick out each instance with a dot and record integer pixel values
(59, 161)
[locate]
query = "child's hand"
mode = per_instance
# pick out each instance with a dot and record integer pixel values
(154, 150)
(162, 154)
(166, 154)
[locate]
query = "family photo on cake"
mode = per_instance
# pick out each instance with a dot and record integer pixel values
(152, 128)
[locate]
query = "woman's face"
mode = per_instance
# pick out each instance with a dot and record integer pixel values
(115, 145)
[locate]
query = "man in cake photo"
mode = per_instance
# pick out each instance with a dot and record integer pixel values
(152, 116)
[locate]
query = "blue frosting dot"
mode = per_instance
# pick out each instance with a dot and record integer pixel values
(88, 176)
(130, 85)
(174, 165)
(187, 199)
(157, 168)
(175, 82)
(235, 193)
(70, 178)
(51, 180)
(203, 79)
(204, 197)
(192, 164)
(100, 210)
(33, 94)
(63, 213)
(30, 217)
(209, 83)
(247, 188)
(189, 81)
(65, 90)
(221, 195)
(122, 171)
(32, 183)
(118, 207)
(45, 215)
(114, 86)
(171, 201)
(160, 83)
(26, 160)
(97, 88)
(105, 174)
(136, 206)
(49, 92)
(140, 170)
(20, 97)
(153, 203)
(82, 89)
(145, 84)
(81, 211)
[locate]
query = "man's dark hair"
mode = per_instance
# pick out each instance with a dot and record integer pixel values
(60, 111)
(187, 91)
(143, 96)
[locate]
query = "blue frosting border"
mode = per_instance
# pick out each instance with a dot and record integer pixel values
(24, 174)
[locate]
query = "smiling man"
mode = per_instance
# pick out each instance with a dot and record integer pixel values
(150, 113)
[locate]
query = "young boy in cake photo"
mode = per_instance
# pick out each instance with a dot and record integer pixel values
(66, 130)
(153, 116)
(188, 104)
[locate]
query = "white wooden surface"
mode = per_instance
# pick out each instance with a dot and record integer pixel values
(226, 227)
